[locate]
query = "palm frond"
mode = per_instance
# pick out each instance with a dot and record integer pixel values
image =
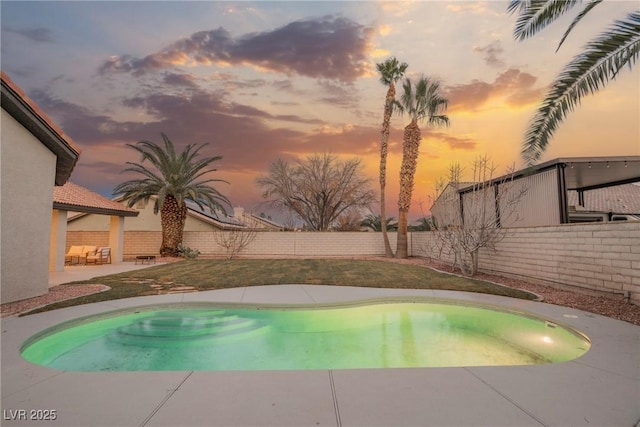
(171, 174)
(391, 70)
(423, 100)
(587, 73)
(578, 18)
(534, 15)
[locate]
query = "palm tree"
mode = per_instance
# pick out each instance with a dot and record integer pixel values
(424, 224)
(588, 72)
(422, 101)
(390, 72)
(173, 179)
(374, 222)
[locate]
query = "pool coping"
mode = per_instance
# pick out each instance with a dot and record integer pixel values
(600, 388)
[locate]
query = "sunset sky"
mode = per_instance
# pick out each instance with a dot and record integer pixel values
(262, 80)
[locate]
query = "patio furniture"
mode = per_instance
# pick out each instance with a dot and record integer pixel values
(100, 256)
(86, 251)
(80, 253)
(147, 258)
(74, 252)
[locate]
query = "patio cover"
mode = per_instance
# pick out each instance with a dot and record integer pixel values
(590, 173)
(582, 174)
(72, 197)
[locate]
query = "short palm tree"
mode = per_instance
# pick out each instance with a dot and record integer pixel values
(588, 72)
(423, 224)
(374, 222)
(420, 101)
(390, 72)
(173, 179)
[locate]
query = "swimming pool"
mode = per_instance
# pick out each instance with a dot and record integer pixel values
(381, 333)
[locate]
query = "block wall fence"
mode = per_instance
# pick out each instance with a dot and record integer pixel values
(603, 257)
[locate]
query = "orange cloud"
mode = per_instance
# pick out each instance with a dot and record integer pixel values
(512, 87)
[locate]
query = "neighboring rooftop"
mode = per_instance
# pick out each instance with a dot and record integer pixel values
(220, 219)
(622, 199)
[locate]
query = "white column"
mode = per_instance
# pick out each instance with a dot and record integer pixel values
(58, 240)
(116, 238)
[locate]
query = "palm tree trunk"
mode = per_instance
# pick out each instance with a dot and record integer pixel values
(172, 219)
(384, 149)
(402, 245)
(383, 222)
(410, 151)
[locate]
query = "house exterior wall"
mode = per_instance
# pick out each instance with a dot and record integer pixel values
(145, 221)
(89, 223)
(27, 201)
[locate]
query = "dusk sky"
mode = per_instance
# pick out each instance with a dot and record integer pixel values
(262, 80)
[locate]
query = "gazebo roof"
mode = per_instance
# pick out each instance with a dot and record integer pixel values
(72, 197)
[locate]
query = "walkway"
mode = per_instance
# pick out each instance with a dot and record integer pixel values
(602, 388)
(74, 273)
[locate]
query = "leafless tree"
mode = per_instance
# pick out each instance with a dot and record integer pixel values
(469, 215)
(234, 241)
(349, 221)
(319, 189)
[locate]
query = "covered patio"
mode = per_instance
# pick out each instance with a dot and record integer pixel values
(74, 198)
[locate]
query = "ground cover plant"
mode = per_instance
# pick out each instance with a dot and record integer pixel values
(208, 274)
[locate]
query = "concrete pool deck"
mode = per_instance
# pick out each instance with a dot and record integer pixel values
(601, 388)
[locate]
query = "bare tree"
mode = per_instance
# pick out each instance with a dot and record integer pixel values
(234, 241)
(349, 221)
(469, 215)
(319, 189)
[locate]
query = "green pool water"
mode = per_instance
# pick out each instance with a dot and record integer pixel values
(367, 335)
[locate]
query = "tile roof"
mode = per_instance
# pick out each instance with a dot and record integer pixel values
(75, 198)
(30, 115)
(624, 199)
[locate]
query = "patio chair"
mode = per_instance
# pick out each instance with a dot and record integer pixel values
(74, 252)
(100, 256)
(86, 251)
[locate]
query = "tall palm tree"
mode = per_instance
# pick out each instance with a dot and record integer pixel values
(603, 57)
(420, 102)
(173, 179)
(390, 72)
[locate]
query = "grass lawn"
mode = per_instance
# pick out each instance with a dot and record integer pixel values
(204, 275)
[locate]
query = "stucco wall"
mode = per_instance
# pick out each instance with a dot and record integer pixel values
(27, 173)
(145, 221)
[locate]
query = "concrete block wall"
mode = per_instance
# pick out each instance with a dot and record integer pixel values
(596, 257)
(264, 244)
(135, 242)
(296, 244)
(89, 238)
(141, 243)
(603, 257)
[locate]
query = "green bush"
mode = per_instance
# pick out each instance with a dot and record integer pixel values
(188, 253)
